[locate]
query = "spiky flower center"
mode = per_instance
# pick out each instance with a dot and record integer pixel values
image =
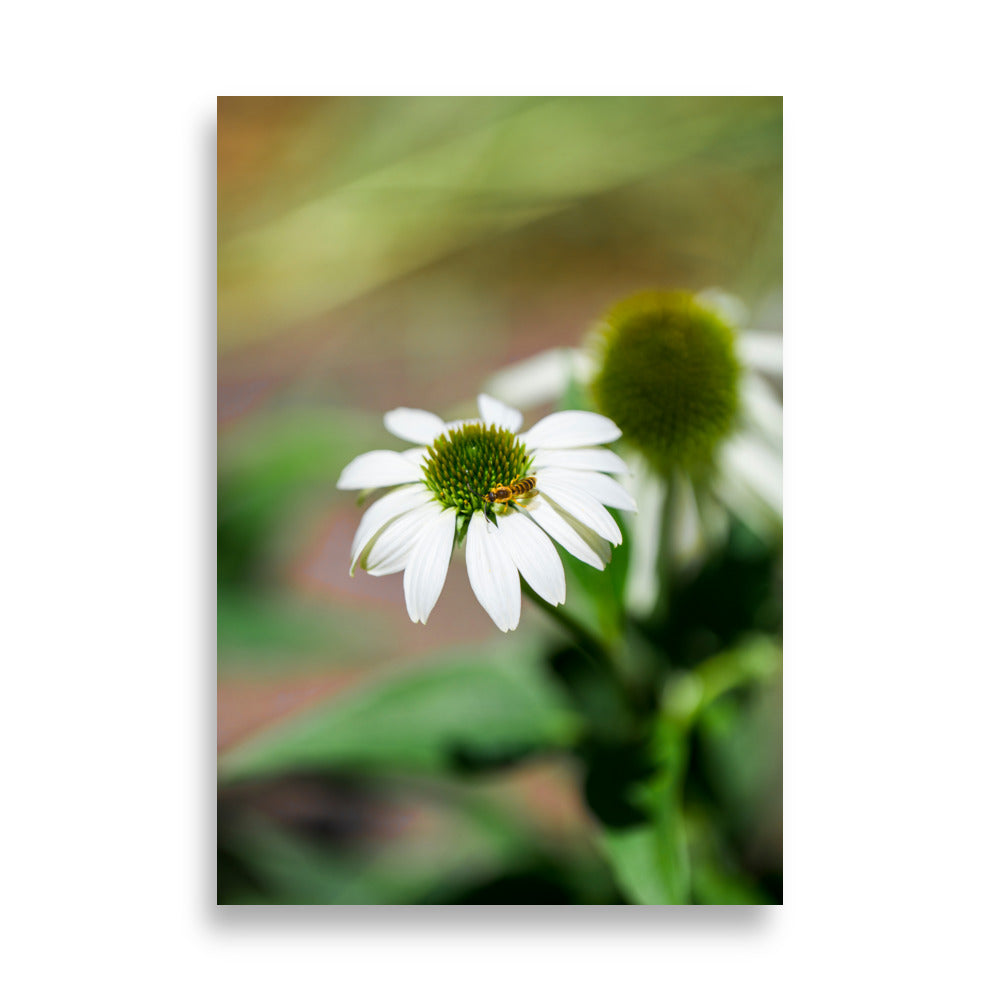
(668, 378)
(465, 463)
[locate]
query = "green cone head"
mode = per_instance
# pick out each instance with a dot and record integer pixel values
(668, 376)
(465, 463)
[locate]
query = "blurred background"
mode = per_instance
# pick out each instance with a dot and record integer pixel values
(383, 252)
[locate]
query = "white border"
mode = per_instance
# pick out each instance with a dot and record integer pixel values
(891, 675)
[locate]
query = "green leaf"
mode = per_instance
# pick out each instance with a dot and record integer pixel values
(418, 718)
(261, 633)
(273, 468)
(649, 863)
(650, 860)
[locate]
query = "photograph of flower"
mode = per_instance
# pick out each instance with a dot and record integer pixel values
(499, 500)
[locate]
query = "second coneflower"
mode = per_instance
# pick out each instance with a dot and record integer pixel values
(693, 393)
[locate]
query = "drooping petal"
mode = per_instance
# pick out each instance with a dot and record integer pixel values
(642, 581)
(757, 466)
(494, 412)
(534, 555)
(714, 520)
(492, 573)
(427, 566)
(571, 429)
(761, 406)
(413, 425)
(382, 512)
(597, 485)
(584, 508)
(591, 459)
(391, 549)
(733, 494)
(378, 468)
(687, 540)
(761, 350)
(578, 540)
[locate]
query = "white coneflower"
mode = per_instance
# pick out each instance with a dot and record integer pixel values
(441, 495)
(689, 389)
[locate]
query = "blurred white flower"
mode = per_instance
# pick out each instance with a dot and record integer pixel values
(440, 494)
(694, 392)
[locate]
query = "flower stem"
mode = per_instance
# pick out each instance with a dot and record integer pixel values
(583, 637)
(616, 680)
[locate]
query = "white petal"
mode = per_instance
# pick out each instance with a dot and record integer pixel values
(414, 455)
(492, 574)
(540, 379)
(378, 468)
(757, 466)
(602, 488)
(571, 429)
(761, 350)
(413, 425)
(762, 407)
(494, 412)
(534, 555)
(593, 459)
(577, 539)
(382, 512)
(687, 539)
(427, 566)
(724, 304)
(391, 549)
(584, 508)
(642, 581)
(735, 495)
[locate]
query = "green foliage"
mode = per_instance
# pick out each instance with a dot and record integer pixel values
(270, 468)
(364, 859)
(420, 718)
(658, 855)
(260, 632)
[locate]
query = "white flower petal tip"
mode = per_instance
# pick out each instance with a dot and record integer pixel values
(419, 426)
(374, 469)
(390, 551)
(492, 574)
(761, 350)
(578, 540)
(534, 555)
(494, 412)
(427, 566)
(571, 429)
(584, 508)
(600, 487)
(382, 513)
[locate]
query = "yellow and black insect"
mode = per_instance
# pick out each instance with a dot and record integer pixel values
(504, 494)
